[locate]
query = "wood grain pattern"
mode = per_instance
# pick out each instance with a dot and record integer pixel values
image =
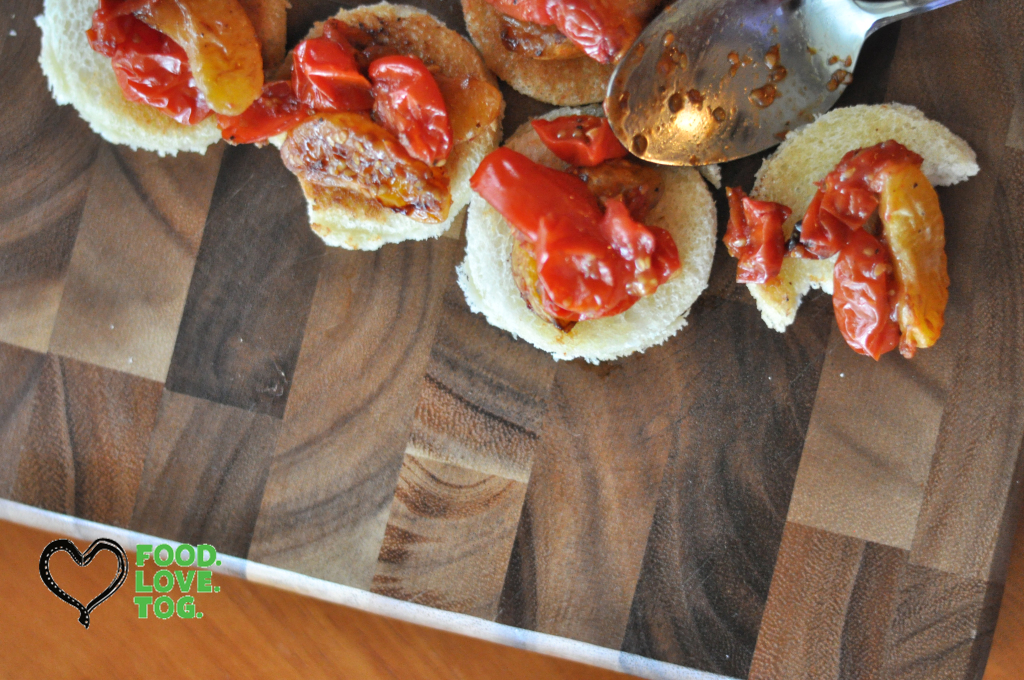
(472, 443)
(869, 482)
(983, 422)
(573, 574)
(337, 460)
(21, 370)
(829, 608)
(344, 415)
(484, 396)
(130, 270)
(46, 156)
(204, 473)
(448, 537)
(86, 442)
(841, 607)
(250, 293)
(716, 533)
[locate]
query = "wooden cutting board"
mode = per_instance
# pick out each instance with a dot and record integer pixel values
(183, 357)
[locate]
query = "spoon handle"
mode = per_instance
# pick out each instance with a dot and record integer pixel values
(890, 11)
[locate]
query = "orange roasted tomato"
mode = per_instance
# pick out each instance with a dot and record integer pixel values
(150, 67)
(277, 110)
(863, 297)
(408, 102)
(583, 141)
(223, 50)
(590, 262)
(755, 236)
(603, 29)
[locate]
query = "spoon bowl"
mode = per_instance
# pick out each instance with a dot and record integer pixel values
(710, 81)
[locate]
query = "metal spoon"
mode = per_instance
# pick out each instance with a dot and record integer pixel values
(713, 80)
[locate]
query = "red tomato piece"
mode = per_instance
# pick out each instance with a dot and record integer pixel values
(864, 288)
(755, 236)
(150, 67)
(277, 110)
(584, 141)
(599, 28)
(326, 77)
(408, 103)
(591, 263)
(849, 196)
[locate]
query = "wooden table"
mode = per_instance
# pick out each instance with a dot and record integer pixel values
(183, 358)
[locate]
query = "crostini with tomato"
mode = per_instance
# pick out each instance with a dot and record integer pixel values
(581, 249)
(382, 113)
(558, 51)
(847, 204)
(154, 74)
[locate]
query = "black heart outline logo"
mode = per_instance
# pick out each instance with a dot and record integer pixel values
(83, 560)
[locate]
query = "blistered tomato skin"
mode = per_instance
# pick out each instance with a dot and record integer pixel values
(409, 103)
(755, 237)
(150, 67)
(603, 29)
(591, 263)
(326, 77)
(864, 288)
(849, 195)
(277, 110)
(584, 141)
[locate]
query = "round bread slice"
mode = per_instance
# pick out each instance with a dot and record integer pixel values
(686, 210)
(561, 82)
(349, 220)
(788, 177)
(85, 79)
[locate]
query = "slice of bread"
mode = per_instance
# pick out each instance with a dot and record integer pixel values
(686, 210)
(347, 219)
(810, 153)
(562, 82)
(85, 79)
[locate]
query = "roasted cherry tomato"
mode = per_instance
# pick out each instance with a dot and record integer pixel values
(849, 196)
(864, 288)
(326, 77)
(603, 29)
(591, 263)
(150, 67)
(277, 110)
(408, 102)
(585, 141)
(755, 237)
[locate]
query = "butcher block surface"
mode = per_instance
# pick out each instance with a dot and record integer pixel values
(182, 357)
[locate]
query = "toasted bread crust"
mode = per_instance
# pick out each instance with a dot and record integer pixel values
(85, 79)
(686, 210)
(564, 82)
